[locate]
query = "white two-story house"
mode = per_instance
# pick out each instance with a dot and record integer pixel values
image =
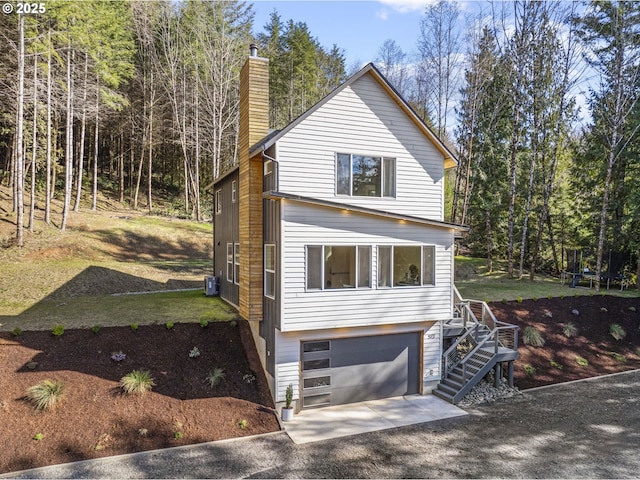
(330, 240)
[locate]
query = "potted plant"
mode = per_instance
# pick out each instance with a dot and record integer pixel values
(287, 410)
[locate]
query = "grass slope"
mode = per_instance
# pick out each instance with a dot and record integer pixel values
(473, 280)
(79, 277)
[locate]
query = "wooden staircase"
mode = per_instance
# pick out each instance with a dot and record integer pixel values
(484, 344)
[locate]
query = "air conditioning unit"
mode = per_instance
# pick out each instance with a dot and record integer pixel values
(211, 286)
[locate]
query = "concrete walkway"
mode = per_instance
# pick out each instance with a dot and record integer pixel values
(586, 429)
(320, 424)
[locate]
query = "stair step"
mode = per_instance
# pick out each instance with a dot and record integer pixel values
(448, 389)
(452, 382)
(471, 370)
(443, 395)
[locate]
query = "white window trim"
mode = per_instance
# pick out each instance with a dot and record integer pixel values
(236, 263)
(382, 160)
(268, 271)
(218, 201)
(322, 279)
(268, 167)
(230, 268)
(392, 267)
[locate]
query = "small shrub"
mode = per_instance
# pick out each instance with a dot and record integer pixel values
(555, 364)
(617, 331)
(204, 323)
(194, 353)
(570, 330)
(138, 381)
(215, 377)
(95, 328)
(603, 309)
(233, 323)
(16, 332)
(58, 330)
(242, 424)
(45, 394)
(288, 396)
(529, 370)
(169, 325)
(118, 356)
(535, 299)
(530, 336)
(38, 436)
(249, 378)
(177, 435)
(549, 297)
(504, 300)
(519, 299)
(143, 432)
(561, 297)
(133, 327)
(632, 309)
(619, 357)
(583, 362)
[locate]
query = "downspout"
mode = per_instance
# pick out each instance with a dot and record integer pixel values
(276, 171)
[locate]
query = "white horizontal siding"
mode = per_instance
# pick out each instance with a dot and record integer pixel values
(288, 351)
(363, 119)
(432, 352)
(304, 225)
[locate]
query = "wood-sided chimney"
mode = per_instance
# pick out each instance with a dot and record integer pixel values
(254, 126)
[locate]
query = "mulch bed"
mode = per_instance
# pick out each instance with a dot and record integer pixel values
(96, 419)
(593, 317)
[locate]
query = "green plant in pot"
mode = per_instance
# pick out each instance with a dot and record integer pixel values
(287, 410)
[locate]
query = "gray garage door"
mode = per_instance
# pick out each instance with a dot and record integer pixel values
(348, 370)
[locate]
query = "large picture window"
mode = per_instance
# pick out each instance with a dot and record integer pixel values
(365, 176)
(337, 267)
(404, 266)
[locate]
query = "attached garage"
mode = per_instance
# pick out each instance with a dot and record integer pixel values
(348, 370)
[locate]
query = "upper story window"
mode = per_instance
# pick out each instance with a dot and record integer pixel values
(234, 191)
(268, 167)
(218, 201)
(365, 176)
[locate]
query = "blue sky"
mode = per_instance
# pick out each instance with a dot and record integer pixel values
(358, 27)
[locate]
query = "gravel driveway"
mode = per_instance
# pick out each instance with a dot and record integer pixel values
(587, 429)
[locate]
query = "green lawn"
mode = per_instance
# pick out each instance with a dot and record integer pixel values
(474, 281)
(120, 310)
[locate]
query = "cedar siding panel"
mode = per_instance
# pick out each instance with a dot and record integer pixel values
(311, 310)
(362, 119)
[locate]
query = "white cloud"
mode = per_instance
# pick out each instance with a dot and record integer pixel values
(406, 6)
(382, 14)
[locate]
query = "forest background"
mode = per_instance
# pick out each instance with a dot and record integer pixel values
(139, 100)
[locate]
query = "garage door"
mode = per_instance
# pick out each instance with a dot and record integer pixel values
(348, 370)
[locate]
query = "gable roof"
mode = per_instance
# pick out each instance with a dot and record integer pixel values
(369, 69)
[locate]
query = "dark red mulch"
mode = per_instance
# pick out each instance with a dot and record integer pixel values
(593, 342)
(95, 419)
